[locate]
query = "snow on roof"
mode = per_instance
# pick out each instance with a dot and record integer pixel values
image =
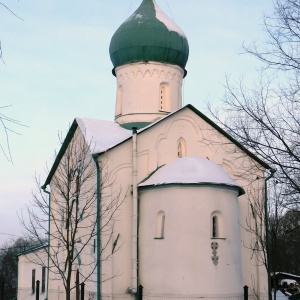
(102, 135)
(164, 18)
(190, 170)
(288, 281)
(286, 274)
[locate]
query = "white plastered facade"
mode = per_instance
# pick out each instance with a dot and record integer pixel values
(31, 267)
(157, 146)
(181, 262)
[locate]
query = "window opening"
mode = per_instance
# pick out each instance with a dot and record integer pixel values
(215, 229)
(164, 97)
(33, 281)
(43, 279)
(181, 148)
(119, 100)
(160, 225)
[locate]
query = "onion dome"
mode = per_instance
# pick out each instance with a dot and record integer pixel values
(191, 170)
(149, 35)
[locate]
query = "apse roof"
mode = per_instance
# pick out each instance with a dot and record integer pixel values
(191, 170)
(149, 35)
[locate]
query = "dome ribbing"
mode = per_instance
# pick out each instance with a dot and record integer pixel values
(149, 35)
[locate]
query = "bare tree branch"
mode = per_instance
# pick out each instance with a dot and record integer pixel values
(72, 213)
(6, 7)
(7, 124)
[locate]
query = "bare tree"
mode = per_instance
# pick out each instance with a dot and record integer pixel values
(72, 215)
(265, 119)
(281, 50)
(13, 13)
(9, 265)
(7, 125)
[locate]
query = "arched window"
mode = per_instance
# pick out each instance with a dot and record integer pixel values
(181, 148)
(160, 225)
(216, 227)
(119, 100)
(164, 97)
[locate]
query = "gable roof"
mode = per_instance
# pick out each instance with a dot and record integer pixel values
(100, 135)
(103, 136)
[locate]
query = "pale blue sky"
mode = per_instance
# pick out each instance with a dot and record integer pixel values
(58, 67)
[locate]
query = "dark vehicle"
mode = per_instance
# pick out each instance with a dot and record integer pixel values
(295, 297)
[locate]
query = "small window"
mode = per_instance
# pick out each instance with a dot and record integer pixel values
(181, 148)
(33, 281)
(62, 215)
(164, 97)
(119, 100)
(215, 228)
(43, 279)
(160, 225)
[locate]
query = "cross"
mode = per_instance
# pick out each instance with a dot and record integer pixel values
(215, 257)
(214, 246)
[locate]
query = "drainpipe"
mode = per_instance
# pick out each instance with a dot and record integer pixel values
(267, 231)
(98, 225)
(133, 288)
(43, 187)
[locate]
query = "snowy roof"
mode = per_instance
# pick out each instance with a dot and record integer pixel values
(169, 23)
(285, 274)
(102, 135)
(190, 170)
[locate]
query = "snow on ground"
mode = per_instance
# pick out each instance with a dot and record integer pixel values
(279, 296)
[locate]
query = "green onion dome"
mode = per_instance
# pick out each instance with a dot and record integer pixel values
(149, 35)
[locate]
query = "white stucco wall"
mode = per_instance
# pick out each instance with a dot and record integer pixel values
(26, 263)
(157, 146)
(139, 95)
(181, 262)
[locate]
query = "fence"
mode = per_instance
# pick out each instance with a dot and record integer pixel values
(26, 294)
(205, 296)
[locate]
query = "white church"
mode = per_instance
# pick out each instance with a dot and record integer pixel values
(184, 183)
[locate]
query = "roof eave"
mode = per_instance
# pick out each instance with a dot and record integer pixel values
(227, 135)
(61, 152)
(32, 249)
(240, 190)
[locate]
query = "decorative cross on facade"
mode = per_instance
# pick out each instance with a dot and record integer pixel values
(214, 257)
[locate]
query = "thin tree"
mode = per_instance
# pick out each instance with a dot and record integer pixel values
(9, 265)
(13, 13)
(265, 117)
(8, 126)
(7, 123)
(70, 217)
